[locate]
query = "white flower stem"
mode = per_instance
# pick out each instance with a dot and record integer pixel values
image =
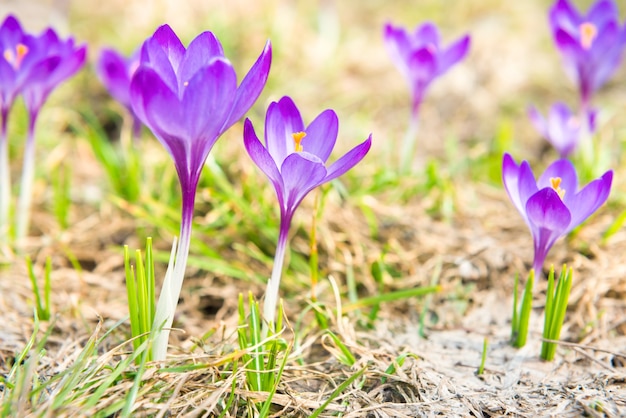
(5, 180)
(28, 176)
(271, 293)
(409, 144)
(172, 285)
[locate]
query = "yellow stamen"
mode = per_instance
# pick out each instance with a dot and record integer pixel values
(297, 140)
(16, 57)
(556, 185)
(588, 33)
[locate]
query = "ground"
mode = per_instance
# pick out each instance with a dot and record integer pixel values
(449, 223)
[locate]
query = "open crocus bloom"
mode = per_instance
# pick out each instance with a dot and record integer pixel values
(552, 205)
(294, 156)
(294, 159)
(188, 97)
(32, 66)
(115, 72)
(420, 56)
(591, 45)
(58, 60)
(562, 128)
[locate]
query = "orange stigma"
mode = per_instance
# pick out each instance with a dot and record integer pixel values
(297, 140)
(16, 57)
(588, 33)
(556, 185)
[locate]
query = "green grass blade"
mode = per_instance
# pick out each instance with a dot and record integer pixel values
(131, 293)
(389, 297)
(526, 308)
(337, 392)
(347, 357)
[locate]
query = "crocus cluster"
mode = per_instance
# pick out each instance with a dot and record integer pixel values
(115, 72)
(31, 66)
(591, 46)
(293, 157)
(189, 97)
(421, 58)
(552, 205)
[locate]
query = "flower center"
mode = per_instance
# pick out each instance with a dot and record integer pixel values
(573, 122)
(588, 33)
(15, 57)
(297, 140)
(556, 185)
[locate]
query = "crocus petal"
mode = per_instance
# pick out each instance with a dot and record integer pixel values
(510, 179)
(427, 34)
(113, 73)
(549, 219)
(606, 55)
(453, 54)
(11, 31)
(36, 88)
(281, 122)
(261, 156)
(589, 199)
(170, 44)
(156, 56)
(301, 173)
(70, 63)
(545, 209)
(602, 12)
(564, 170)
(201, 51)
(155, 104)
(423, 69)
(321, 135)
(209, 92)
(251, 86)
(349, 160)
(519, 183)
(423, 65)
(564, 15)
(399, 46)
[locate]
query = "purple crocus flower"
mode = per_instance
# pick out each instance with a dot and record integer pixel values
(188, 98)
(563, 129)
(420, 56)
(294, 159)
(56, 61)
(115, 72)
(591, 45)
(553, 205)
(32, 66)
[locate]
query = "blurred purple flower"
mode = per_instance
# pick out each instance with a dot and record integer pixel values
(420, 56)
(188, 98)
(115, 72)
(294, 158)
(57, 61)
(563, 129)
(591, 45)
(32, 66)
(552, 206)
